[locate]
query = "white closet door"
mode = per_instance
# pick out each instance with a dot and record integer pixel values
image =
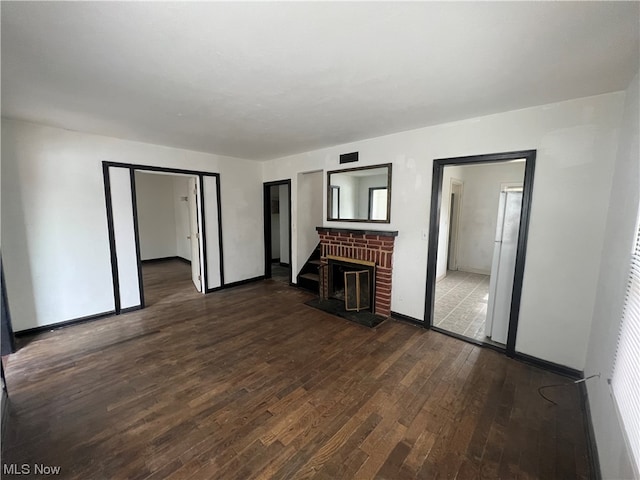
(125, 242)
(194, 233)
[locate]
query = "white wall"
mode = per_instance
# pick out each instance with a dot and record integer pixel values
(181, 214)
(309, 216)
(54, 237)
(156, 215)
(211, 230)
(124, 236)
(479, 214)
(576, 142)
(614, 268)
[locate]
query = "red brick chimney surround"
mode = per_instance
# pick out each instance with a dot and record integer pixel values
(365, 245)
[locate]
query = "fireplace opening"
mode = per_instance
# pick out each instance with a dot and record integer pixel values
(352, 283)
(366, 258)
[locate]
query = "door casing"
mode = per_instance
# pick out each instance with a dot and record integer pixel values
(110, 225)
(434, 221)
(267, 225)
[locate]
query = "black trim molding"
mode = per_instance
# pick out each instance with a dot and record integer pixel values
(110, 225)
(239, 283)
(218, 199)
(204, 282)
(67, 323)
(266, 193)
(112, 237)
(592, 447)
(550, 366)
(131, 309)
(434, 227)
(380, 233)
(406, 318)
(136, 233)
(387, 219)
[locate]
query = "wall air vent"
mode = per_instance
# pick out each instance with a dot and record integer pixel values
(349, 157)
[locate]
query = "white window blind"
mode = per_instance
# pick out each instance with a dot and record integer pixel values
(625, 381)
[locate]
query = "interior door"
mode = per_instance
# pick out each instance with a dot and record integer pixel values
(503, 267)
(194, 236)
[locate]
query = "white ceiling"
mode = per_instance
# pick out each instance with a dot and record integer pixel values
(263, 80)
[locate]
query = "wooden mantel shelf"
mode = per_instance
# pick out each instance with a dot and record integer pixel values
(381, 233)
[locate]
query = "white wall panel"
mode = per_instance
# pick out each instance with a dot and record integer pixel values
(55, 241)
(124, 237)
(212, 232)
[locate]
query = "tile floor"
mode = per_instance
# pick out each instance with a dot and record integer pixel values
(461, 304)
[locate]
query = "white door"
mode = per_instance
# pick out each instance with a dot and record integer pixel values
(503, 266)
(194, 236)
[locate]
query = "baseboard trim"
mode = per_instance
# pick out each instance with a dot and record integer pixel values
(407, 318)
(550, 366)
(544, 364)
(236, 284)
(66, 323)
(5, 411)
(592, 447)
(131, 309)
(164, 259)
(285, 265)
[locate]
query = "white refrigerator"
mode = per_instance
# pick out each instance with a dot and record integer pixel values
(503, 266)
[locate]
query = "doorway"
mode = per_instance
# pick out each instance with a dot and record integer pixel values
(167, 207)
(123, 227)
(277, 230)
(479, 223)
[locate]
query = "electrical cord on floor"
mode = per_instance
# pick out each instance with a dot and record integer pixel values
(563, 385)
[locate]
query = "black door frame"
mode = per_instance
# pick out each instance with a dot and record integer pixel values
(110, 225)
(267, 225)
(523, 232)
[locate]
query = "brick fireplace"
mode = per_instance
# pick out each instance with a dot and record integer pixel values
(361, 247)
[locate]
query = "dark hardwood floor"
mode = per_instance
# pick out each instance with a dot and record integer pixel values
(251, 383)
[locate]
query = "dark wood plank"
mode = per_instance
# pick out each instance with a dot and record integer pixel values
(251, 383)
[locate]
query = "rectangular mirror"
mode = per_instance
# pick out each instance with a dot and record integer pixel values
(360, 194)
